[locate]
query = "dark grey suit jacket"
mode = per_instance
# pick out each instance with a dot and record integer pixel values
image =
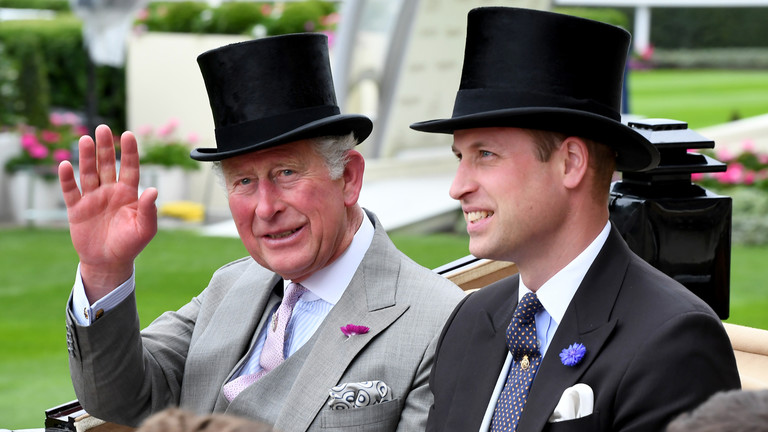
(653, 350)
(185, 357)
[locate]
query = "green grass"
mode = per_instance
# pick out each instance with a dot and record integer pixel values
(37, 270)
(700, 97)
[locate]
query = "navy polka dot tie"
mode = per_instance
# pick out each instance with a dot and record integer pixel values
(524, 346)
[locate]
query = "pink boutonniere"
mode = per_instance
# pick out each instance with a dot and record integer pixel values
(352, 329)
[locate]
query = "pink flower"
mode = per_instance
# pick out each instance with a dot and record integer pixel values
(50, 136)
(38, 151)
(697, 176)
(331, 37)
(733, 175)
(145, 130)
(352, 330)
(748, 146)
(749, 178)
(56, 119)
(309, 26)
(29, 140)
(142, 14)
(71, 118)
(266, 9)
(724, 154)
(81, 130)
(193, 138)
(647, 53)
(167, 129)
(60, 155)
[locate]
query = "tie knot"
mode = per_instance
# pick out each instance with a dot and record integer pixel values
(527, 308)
(292, 293)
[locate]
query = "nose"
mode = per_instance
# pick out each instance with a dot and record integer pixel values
(462, 183)
(267, 200)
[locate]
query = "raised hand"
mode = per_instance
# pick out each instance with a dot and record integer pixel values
(108, 222)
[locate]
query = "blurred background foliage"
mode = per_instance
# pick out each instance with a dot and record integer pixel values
(52, 56)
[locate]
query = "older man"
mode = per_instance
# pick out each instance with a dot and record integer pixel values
(325, 313)
(588, 337)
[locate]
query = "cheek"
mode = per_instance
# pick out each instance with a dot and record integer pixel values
(241, 207)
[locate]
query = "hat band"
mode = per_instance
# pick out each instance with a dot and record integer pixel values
(230, 138)
(478, 101)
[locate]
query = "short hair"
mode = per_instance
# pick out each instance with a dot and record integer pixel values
(733, 411)
(602, 159)
(333, 149)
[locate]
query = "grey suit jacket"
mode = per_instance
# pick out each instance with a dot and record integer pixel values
(185, 357)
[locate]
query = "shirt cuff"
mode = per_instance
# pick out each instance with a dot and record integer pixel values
(85, 313)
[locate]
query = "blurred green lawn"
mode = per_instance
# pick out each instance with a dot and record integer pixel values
(699, 97)
(37, 270)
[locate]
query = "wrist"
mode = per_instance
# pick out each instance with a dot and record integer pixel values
(100, 280)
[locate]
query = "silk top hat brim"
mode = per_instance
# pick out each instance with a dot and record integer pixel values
(541, 70)
(273, 91)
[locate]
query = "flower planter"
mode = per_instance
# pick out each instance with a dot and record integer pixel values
(9, 146)
(34, 199)
(171, 183)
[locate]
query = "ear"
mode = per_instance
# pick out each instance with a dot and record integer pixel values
(353, 177)
(575, 161)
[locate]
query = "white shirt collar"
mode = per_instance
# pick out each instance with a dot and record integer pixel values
(556, 293)
(330, 282)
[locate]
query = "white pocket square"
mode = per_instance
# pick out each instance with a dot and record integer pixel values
(576, 402)
(359, 394)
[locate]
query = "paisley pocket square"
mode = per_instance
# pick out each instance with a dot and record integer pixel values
(359, 394)
(576, 402)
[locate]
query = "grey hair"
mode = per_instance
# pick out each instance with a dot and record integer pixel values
(333, 149)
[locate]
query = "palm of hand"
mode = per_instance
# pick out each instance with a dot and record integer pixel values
(109, 223)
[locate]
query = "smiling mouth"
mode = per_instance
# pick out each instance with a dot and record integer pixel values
(282, 234)
(475, 216)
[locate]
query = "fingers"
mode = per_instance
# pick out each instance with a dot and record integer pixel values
(89, 177)
(129, 160)
(105, 155)
(68, 184)
(147, 211)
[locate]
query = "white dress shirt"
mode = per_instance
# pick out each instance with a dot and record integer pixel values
(324, 289)
(555, 295)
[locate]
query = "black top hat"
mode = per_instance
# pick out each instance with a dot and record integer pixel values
(272, 91)
(542, 70)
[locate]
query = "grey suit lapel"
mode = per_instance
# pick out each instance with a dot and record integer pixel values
(369, 300)
(229, 336)
(587, 321)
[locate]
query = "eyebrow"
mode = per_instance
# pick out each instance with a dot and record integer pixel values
(475, 144)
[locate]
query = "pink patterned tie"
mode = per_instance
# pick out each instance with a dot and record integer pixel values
(272, 354)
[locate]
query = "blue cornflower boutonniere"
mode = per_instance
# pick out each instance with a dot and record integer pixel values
(352, 329)
(572, 355)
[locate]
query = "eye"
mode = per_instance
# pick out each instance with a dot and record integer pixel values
(287, 172)
(485, 153)
(244, 181)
